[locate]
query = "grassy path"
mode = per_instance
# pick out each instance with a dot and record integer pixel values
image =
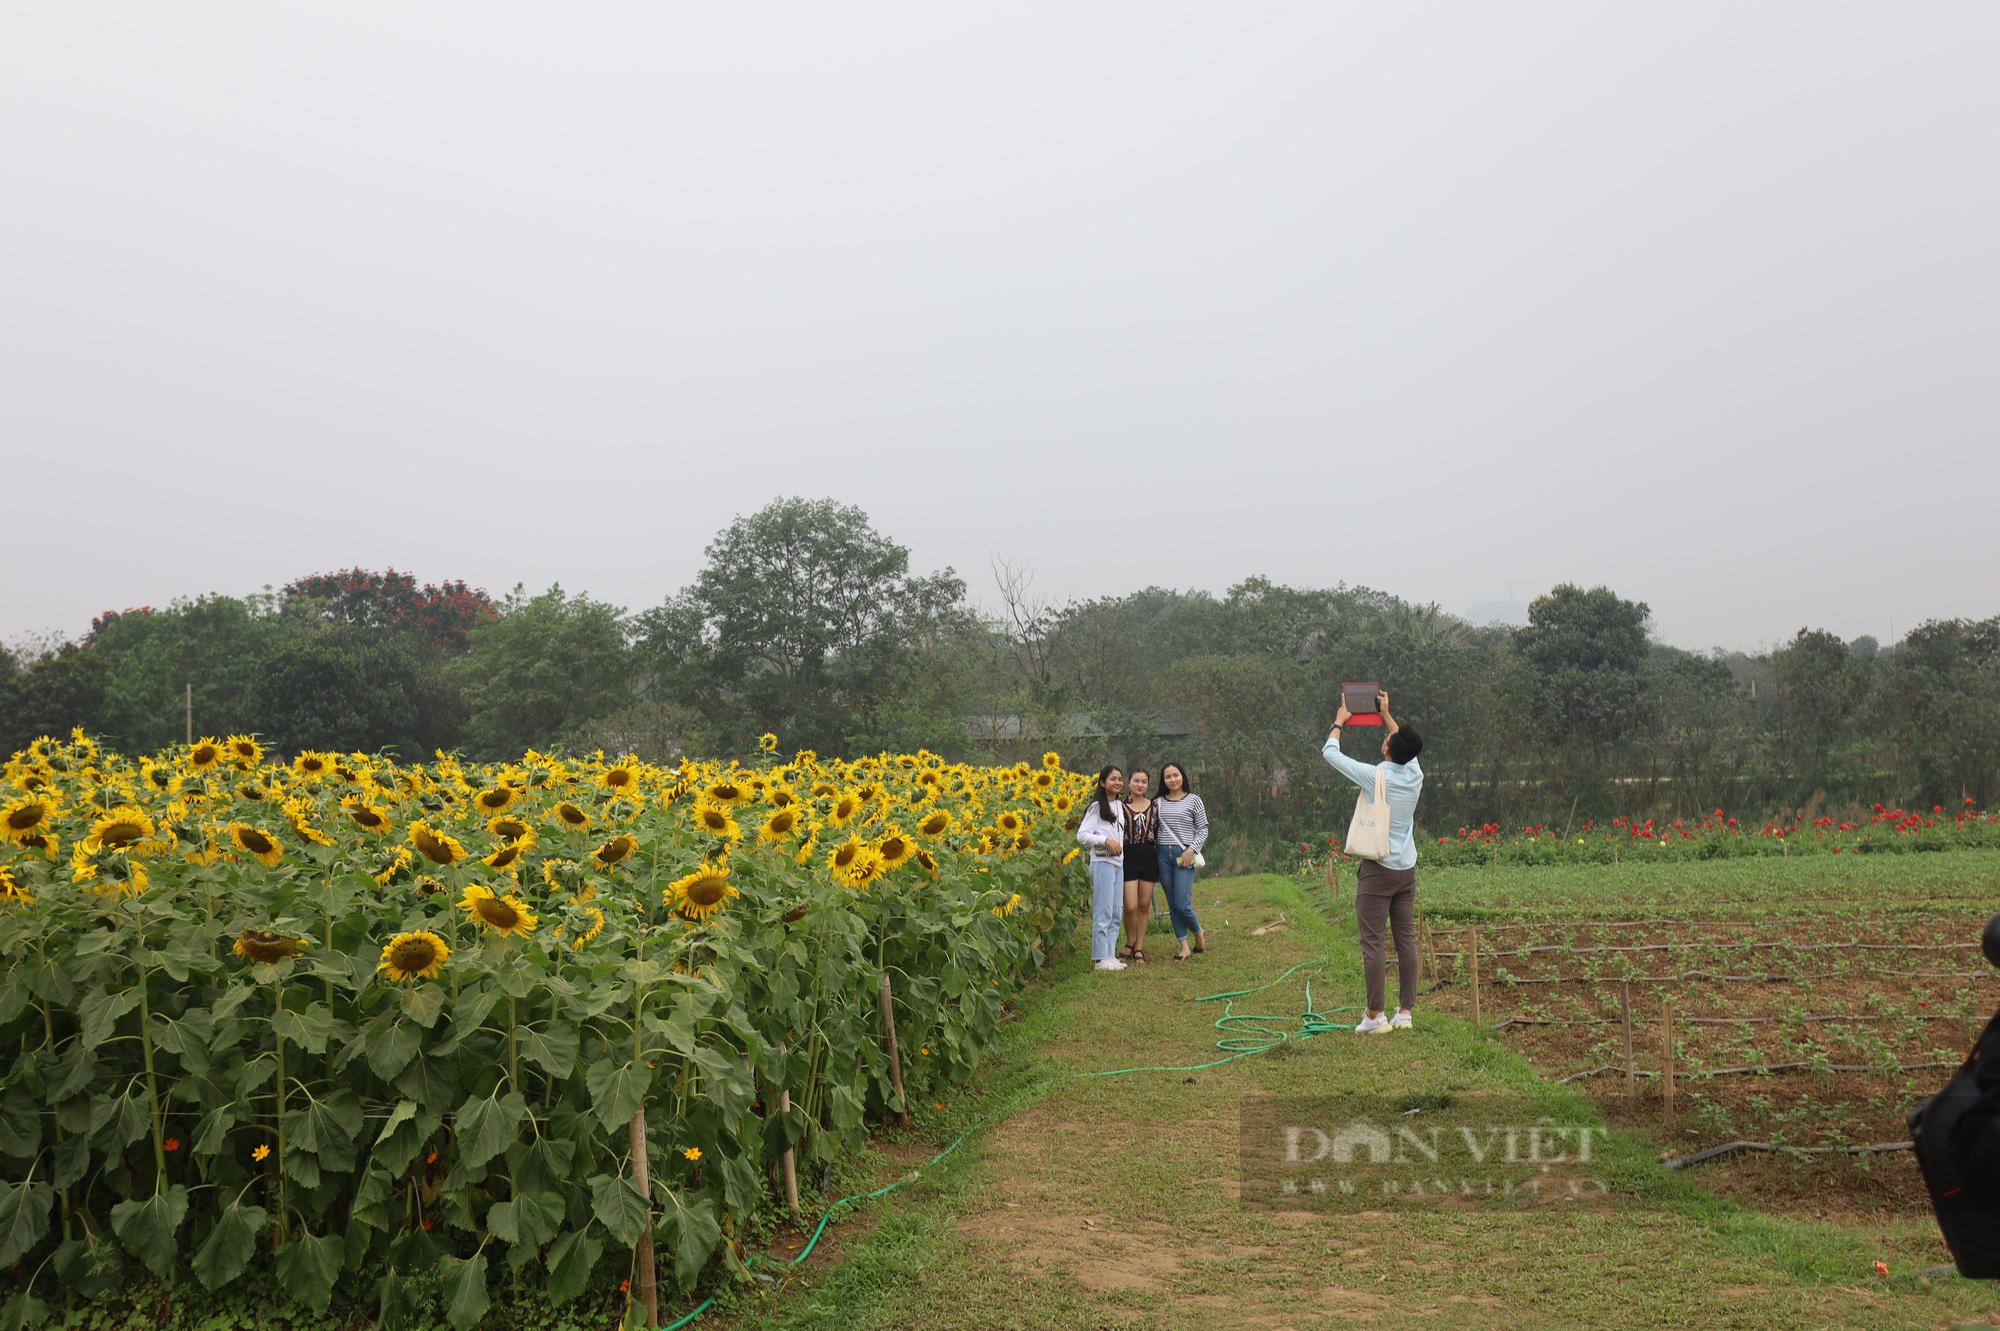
(1111, 1202)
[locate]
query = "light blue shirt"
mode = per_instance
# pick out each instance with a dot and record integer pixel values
(1404, 783)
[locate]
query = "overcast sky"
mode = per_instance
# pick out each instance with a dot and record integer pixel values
(1699, 301)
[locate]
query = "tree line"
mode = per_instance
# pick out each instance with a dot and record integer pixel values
(807, 622)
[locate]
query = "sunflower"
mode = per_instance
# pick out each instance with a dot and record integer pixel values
(927, 862)
(1052, 760)
(935, 824)
(266, 948)
(1006, 908)
(701, 893)
(119, 829)
(159, 778)
(206, 756)
(244, 749)
(298, 813)
(391, 864)
(617, 848)
(504, 915)
(716, 821)
(768, 742)
(596, 927)
(11, 890)
(250, 841)
(108, 871)
(1062, 803)
(509, 829)
(866, 868)
(842, 857)
(570, 816)
(844, 809)
(494, 799)
(312, 765)
(414, 955)
(779, 826)
(366, 816)
(1009, 822)
(435, 846)
(26, 818)
(1024, 842)
(726, 794)
(823, 791)
(566, 874)
(1044, 780)
(621, 779)
(250, 790)
(507, 859)
(869, 793)
(894, 848)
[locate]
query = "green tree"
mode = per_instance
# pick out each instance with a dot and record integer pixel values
(59, 689)
(800, 623)
(1822, 686)
(216, 643)
(548, 665)
(1942, 698)
(1589, 653)
(355, 690)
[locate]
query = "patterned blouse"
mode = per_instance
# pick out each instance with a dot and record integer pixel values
(1145, 826)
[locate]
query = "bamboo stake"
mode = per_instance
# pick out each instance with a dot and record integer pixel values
(1475, 977)
(1625, 1019)
(1332, 882)
(895, 1058)
(1667, 1080)
(649, 1293)
(791, 1163)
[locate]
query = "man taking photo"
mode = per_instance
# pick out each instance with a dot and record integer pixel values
(1387, 889)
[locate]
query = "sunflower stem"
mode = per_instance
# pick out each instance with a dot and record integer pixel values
(153, 1091)
(284, 1180)
(513, 1066)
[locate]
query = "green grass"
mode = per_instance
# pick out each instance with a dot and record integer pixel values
(1107, 1202)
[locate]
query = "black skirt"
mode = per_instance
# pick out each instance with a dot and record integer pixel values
(1142, 862)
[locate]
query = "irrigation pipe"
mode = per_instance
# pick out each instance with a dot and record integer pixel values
(1682, 1162)
(1762, 1067)
(1259, 1040)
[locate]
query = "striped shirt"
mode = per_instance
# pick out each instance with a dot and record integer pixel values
(1183, 822)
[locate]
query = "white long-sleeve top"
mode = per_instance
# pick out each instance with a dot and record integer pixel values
(1094, 831)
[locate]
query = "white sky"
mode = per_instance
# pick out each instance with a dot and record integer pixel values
(1695, 300)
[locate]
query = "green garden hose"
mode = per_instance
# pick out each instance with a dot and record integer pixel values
(1250, 1040)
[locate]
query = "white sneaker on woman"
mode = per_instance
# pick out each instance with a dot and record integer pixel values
(1111, 964)
(1371, 1026)
(1401, 1021)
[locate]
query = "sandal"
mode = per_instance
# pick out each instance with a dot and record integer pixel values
(1179, 957)
(1129, 951)
(1139, 955)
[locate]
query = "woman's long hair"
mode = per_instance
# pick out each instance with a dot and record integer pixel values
(1103, 796)
(1187, 786)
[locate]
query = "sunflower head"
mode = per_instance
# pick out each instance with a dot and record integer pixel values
(493, 800)
(26, 818)
(935, 823)
(894, 848)
(768, 742)
(727, 794)
(570, 816)
(701, 894)
(844, 809)
(265, 947)
(796, 913)
(507, 859)
(1009, 822)
(779, 826)
(621, 779)
(120, 828)
(564, 876)
(507, 827)
(366, 816)
(206, 756)
(715, 820)
(244, 750)
(408, 956)
(434, 845)
(611, 852)
(1052, 760)
(506, 915)
(927, 862)
(312, 765)
(262, 846)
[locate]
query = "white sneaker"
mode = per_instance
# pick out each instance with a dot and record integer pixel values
(1371, 1026)
(1401, 1021)
(1111, 964)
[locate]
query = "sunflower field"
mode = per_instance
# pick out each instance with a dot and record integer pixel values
(422, 1030)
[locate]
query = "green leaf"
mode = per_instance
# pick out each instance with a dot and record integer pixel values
(99, 1012)
(308, 1030)
(230, 1245)
(619, 1207)
(529, 1218)
(69, 1160)
(697, 1231)
(485, 1126)
(398, 1298)
(465, 1297)
(540, 1164)
(308, 1266)
(330, 1128)
(24, 1218)
(571, 1260)
(146, 1228)
(118, 1123)
(553, 1048)
(22, 1311)
(391, 1045)
(423, 1003)
(71, 1074)
(471, 1008)
(211, 1135)
(616, 1092)
(20, 1124)
(404, 1111)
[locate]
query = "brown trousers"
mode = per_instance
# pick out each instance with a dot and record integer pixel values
(1387, 895)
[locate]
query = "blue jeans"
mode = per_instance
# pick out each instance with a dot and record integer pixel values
(1107, 907)
(1179, 884)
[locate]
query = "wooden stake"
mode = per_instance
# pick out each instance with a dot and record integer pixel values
(1625, 1019)
(895, 1058)
(190, 711)
(649, 1294)
(1475, 978)
(1667, 1078)
(1332, 883)
(791, 1164)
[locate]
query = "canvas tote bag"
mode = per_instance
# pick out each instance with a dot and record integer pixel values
(1368, 834)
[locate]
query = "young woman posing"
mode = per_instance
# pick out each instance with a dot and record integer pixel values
(1103, 830)
(1142, 862)
(1183, 832)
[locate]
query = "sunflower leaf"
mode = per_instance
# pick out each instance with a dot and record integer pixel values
(117, 1123)
(22, 1311)
(146, 1228)
(71, 1074)
(616, 1091)
(20, 1124)
(212, 1133)
(405, 1111)
(484, 1126)
(619, 1207)
(24, 1218)
(696, 1232)
(553, 1048)
(571, 1260)
(465, 1296)
(471, 1009)
(99, 1012)
(308, 1029)
(391, 1044)
(230, 1245)
(70, 1160)
(308, 1266)
(423, 1004)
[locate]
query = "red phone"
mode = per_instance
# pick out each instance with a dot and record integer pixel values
(1362, 701)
